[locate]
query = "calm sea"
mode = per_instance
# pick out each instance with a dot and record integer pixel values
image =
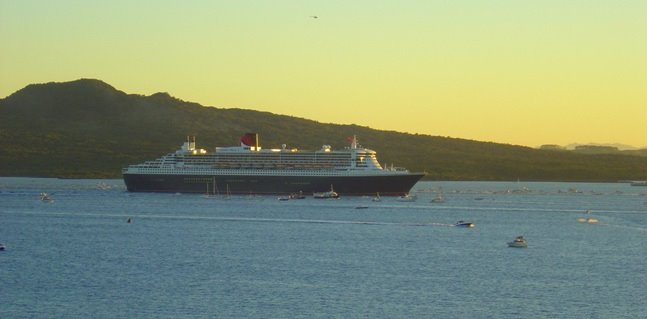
(190, 256)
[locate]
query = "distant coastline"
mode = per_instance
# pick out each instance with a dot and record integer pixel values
(89, 129)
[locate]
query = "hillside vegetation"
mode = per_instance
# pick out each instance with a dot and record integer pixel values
(87, 128)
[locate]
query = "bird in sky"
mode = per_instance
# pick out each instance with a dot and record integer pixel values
(314, 17)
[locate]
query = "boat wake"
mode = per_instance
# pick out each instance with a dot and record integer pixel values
(239, 219)
(642, 229)
(144, 216)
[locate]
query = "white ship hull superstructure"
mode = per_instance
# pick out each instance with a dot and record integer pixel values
(249, 169)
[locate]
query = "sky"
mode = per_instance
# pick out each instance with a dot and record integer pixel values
(521, 72)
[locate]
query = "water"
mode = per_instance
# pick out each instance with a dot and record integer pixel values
(187, 256)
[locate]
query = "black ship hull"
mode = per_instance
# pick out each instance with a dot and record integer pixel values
(393, 185)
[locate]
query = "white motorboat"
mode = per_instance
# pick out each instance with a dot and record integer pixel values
(518, 242)
(407, 198)
(324, 195)
(464, 224)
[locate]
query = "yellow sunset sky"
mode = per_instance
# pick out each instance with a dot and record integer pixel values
(510, 71)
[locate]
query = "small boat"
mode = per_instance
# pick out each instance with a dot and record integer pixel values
(228, 194)
(2, 247)
(588, 220)
(407, 198)
(215, 190)
(639, 183)
(518, 242)
(45, 197)
(103, 186)
(324, 195)
(377, 197)
(438, 199)
(361, 207)
(463, 224)
(293, 196)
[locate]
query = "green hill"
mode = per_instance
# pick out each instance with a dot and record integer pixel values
(87, 128)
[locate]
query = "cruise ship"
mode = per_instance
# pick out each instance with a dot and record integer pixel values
(250, 169)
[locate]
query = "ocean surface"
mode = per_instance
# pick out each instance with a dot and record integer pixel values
(193, 256)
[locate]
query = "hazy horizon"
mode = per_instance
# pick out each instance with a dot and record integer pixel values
(523, 73)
